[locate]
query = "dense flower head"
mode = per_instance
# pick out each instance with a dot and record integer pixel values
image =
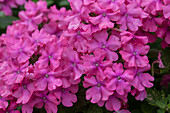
(46, 54)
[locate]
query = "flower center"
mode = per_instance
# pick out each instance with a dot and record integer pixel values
(18, 72)
(134, 53)
(138, 74)
(46, 75)
(44, 98)
(126, 15)
(104, 14)
(50, 56)
(6, 112)
(118, 77)
(63, 90)
(99, 85)
(112, 0)
(133, 38)
(78, 32)
(96, 64)
(20, 50)
(25, 87)
(74, 64)
(104, 46)
(0, 97)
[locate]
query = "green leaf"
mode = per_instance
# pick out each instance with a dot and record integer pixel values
(94, 109)
(166, 60)
(160, 111)
(157, 98)
(2, 14)
(6, 20)
(50, 2)
(146, 108)
(63, 3)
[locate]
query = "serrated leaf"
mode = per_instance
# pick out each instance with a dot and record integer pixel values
(157, 98)
(6, 20)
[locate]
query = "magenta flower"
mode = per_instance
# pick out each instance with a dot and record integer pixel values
(67, 96)
(119, 79)
(100, 42)
(33, 8)
(24, 92)
(94, 64)
(113, 104)
(140, 95)
(135, 55)
(98, 90)
(109, 4)
(11, 108)
(104, 17)
(72, 63)
(47, 99)
(22, 50)
(131, 17)
(15, 73)
(46, 79)
(50, 56)
(31, 21)
(3, 103)
(40, 38)
(152, 6)
(127, 37)
(141, 79)
(150, 23)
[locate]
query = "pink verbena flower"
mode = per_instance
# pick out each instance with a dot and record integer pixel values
(103, 17)
(24, 91)
(3, 103)
(141, 79)
(127, 37)
(94, 64)
(109, 4)
(113, 103)
(131, 15)
(46, 78)
(101, 41)
(22, 50)
(98, 90)
(67, 96)
(33, 8)
(140, 95)
(135, 55)
(31, 21)
(15, 73)
(72, 63)
(11, 108)
(40, 38)
(48, 99)
(152, 6)
(50, 55)
(119, 79)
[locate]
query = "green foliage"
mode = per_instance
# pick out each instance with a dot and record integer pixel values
(6, 20)
(166, 61)
(158, 99)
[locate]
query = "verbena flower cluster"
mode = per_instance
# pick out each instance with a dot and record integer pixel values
(7, 5)
(103, 43)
